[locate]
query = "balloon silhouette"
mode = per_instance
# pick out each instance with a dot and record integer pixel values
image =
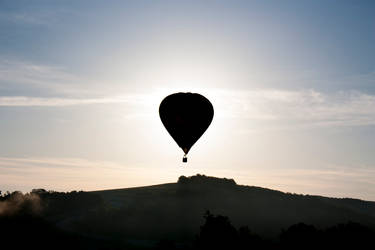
(186, 116)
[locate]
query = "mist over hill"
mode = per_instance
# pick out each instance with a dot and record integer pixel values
(143, 216)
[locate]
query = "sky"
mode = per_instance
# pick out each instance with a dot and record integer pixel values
(292, 84)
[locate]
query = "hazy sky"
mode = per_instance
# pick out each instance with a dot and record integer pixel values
(292, 84)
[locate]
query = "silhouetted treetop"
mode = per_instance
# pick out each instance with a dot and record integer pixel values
(217, 233)
(205, 180)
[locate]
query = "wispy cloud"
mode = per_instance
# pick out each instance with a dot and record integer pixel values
(306, 107)
(43, 78)
(29, 79)
(291, 108)
(24, 101)
(42, 16)
(328, 180)
(26, 18)
(302, 107)
(64, 174)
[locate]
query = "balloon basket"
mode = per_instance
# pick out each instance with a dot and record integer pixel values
(184, 159)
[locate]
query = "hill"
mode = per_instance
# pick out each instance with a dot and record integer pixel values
(143, 216)
(176, 209)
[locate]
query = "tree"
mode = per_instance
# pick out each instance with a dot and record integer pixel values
(217, 233)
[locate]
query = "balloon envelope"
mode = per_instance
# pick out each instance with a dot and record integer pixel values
(186, 116)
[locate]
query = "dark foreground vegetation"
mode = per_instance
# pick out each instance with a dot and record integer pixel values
(176, 216)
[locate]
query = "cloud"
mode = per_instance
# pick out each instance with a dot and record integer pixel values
(25, 101)
(328, 180)
(299, 108)
(41, 16)
(66, 174)
(269, 106)
(286, 108)
(44, 78)
(26, 18)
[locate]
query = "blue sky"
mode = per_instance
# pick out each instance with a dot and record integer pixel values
(292, 83)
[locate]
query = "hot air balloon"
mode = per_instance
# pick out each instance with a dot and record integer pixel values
(186, 116)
